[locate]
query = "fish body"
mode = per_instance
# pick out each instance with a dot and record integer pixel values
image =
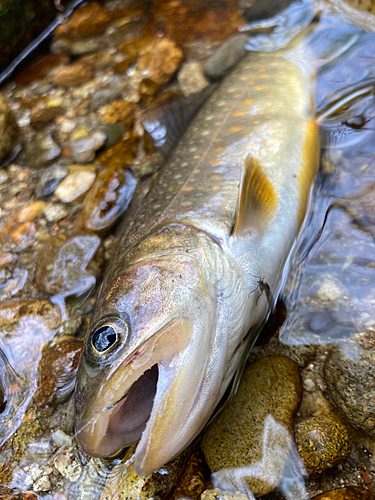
(175, 314)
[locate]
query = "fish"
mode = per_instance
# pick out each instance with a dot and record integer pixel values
(175, 316)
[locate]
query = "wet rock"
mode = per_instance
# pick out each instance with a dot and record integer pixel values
(68, 466)
(217, 494)
(89, 20)
(3, 176)
(68, 264)
(58, 368)
(83, 149)
(124, 483)
(350, 379)
(349, 493)
(270, 387)
(8, 129)
(74, 47)
(40, 68)
(30, 211)
(119, 112)
(193, 482)
(122, 153)
(42, 150)
(147, 90)
(76, 183)
(226, 57)
(24, 234)
(12, 282)
(50, 179)
(7, 258)
(73, 75)
(107, 200)
(27, 432)
(54, 212)
(104, 96)
(114, 132)
(11, 314)
(191, 78)
(161, 60)
(133, 47)
(322, 442)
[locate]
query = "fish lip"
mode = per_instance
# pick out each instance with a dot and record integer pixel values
(167, 342)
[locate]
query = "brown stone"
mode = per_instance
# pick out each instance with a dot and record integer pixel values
(193, 483)
(73, 75)
(39, 117)
(122, 153)
(124, 65)
(161, 60)
(349, 493)
(119, 112)
(30, 211)
(7, 258)
(147, 91)
(107, 200)
(58, 368)
(11, 313)
(89, 20)
(133, 47)
(40, 68)
(24, 234)
(8, 129)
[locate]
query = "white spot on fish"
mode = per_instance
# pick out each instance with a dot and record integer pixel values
(193, 149)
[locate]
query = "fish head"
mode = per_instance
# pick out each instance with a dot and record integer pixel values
(143, 372)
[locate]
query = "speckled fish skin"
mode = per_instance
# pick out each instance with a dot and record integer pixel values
(180, 283)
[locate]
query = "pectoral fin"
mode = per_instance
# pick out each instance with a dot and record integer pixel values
(257, 200)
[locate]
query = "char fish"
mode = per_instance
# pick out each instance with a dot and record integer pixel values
(176, 314)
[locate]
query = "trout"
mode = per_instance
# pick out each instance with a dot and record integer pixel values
(176, 313)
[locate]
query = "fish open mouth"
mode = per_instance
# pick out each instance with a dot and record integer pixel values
(131, 413)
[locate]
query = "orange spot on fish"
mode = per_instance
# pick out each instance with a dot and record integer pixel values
(196, 171)
(239, 113)
(186, 204)
(218, 139)
(215, 177)
(187, 189)
(235, 129)
(256, 88)
(219, 150)
(248, 101)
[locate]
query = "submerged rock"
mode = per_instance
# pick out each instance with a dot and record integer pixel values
(349, 493)
(270, 387)
(83, 149)
(160, 60)
(8, 128)
(58, 368)
(124, 483)
(107, 200)
(193, 482)
(76, 183)
(89, 20)
(322, 442)
(226, 57)
(69, 264)
(350, 383)
(217, 494)
(50, 179)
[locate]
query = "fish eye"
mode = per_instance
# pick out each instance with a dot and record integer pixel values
(104, 338)
(107, 336)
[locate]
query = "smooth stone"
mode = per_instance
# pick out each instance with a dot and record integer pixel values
(107, 200)
(73, 75)
(12, 282)
(114, 133)
(54, 212)
(270, 390)
(104, 96)
(226, 57)
(348, 493)
(83, 149)
(217, 494)
(89, 20)
(124, 483)
(57, 368)
(9, 130)
(322, 442)
(68, 264)
(121, 111)
(191, 78)
(24, 234)
(42, 150)
(50, 179)
(12, 313)
(75, 184)
(350, 383)
(30, 211)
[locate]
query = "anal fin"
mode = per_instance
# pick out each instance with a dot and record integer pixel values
(257, 200)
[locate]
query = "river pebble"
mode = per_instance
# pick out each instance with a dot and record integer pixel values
(57, 369)
(83, 149)
(30, 211)
(121, 111)
(193, 482)
(322, 442)
(160, 60)
(12, 282)
(103, 97)
(12, 313)
(269, 386)
(8, 129)
(125, 484)
(217, 494)
(54, 212)
(226, 57)
(350, 376)
(191, 78)
(68, 264)
(107, 200)
(76, 183)
(73, 75)
(23, 235)
(89, 20)
(50, 179)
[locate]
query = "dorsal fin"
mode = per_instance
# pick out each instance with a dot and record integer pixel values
(257, 200)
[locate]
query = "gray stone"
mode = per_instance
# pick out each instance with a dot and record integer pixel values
(50, 179)
(84, 148)
(191, 78)
(226, 57)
